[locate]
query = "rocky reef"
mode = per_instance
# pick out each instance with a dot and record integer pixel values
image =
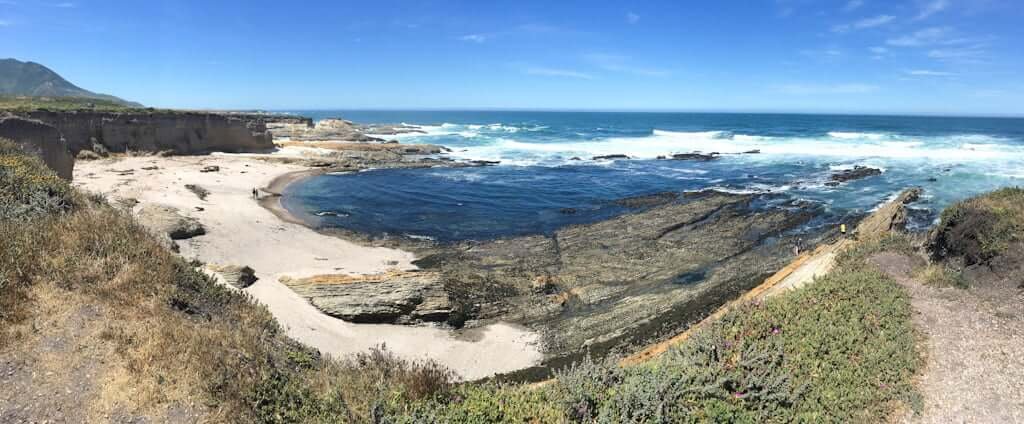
(334, 130)
(39, 139)
(177, 132)
(627, 279)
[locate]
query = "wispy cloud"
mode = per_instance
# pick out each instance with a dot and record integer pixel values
(825, 89)
(930, 8)
(620, 63)
(829, 54)
(928, 73)
(922, 37)
(866, 23)
(853, 5)
(632, 18)
(555, 72)
(963, 54)
(475, 38)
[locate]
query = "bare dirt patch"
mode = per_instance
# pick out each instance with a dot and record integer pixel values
(974, 370)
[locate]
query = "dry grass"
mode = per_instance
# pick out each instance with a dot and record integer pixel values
(170, 334)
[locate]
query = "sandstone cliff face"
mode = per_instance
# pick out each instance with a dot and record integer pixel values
(179, 132)
(39, 139)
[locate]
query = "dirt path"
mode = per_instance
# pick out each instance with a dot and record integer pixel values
(974, 344)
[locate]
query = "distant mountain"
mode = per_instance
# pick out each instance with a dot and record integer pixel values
(19, 78)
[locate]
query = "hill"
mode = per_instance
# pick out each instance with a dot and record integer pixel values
(31, 79)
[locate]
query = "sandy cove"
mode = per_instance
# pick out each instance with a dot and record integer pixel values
(241, 232)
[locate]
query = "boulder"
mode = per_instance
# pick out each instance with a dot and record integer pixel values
(236, 276)
(398, 297)
(162, 219)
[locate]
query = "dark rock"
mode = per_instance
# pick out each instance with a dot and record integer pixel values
(626, 279)
(567, 211)
(199, 191)
(485, 162)
(647, 200)
(695, 156)
(610, 157)
(210, 168)
(752, 152)
(856, 173)
(575, 158)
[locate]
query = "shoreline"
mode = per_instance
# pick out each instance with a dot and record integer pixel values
(264, 235)
(273, 201)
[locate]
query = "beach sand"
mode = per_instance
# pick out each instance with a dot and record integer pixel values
(242, 232)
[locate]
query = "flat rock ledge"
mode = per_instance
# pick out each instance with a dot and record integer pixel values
(400, 297)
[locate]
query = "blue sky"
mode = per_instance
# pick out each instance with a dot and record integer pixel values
(913, 56)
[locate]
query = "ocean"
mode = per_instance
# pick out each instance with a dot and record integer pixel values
(547, 177)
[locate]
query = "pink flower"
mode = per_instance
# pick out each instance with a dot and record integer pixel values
(776, 330)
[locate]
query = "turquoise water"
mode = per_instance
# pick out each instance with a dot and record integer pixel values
(539, 180)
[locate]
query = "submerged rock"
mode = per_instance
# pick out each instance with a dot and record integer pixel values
(647, 200)
(399, 297)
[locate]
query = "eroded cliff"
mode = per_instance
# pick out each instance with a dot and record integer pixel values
(177, 132)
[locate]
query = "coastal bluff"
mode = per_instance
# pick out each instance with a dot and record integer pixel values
(178, 132)
(41, 140)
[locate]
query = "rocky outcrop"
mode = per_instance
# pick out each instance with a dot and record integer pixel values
(165, 220)
(695, 156)
(336, 130)
(235, 276)
(626, 279)
(855, 173)
(892, 216)
(399, 297)
(39, 139)
(159, 131)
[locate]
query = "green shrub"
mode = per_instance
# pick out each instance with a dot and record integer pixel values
(28, 189)
(980, 228)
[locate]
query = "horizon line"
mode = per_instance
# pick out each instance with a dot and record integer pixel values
(920, 114)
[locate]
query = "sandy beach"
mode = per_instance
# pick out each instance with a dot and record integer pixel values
(242, 232)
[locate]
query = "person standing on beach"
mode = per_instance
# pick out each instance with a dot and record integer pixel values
(255, 194)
